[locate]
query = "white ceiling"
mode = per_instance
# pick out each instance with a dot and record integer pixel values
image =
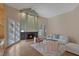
(46, 9)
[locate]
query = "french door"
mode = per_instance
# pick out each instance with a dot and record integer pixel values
(13, 31)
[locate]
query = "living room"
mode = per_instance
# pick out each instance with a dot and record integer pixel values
(45, 29)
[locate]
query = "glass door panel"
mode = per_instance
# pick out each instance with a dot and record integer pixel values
(17, 32)
(11, 32)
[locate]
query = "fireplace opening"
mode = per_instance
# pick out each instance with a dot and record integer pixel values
(29, 35)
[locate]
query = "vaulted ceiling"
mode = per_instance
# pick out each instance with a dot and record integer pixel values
(46, 9)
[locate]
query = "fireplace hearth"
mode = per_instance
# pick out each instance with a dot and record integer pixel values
(28, 35)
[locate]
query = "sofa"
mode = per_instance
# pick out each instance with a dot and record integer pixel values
(73, 48)
(61, 38)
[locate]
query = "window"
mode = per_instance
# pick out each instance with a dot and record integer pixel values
(29, 21)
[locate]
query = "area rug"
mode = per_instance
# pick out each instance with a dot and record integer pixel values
(42, 48)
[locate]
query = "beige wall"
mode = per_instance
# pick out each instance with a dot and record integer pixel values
(67, 24)
(12, 13)
(42, 20)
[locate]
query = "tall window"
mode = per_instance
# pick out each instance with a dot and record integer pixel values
(32, 23)
(29, 20)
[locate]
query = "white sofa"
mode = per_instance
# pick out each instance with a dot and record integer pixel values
(68, 46)
(61, 38)
(73, 48)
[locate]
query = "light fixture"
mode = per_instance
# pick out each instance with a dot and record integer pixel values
(23, 14)
(22, 30)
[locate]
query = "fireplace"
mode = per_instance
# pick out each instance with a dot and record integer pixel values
(28, 35)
